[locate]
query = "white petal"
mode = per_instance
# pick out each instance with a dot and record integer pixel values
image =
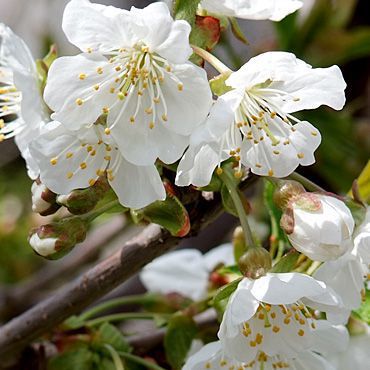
(97, 27)
(362, 239)
(304, 87)
(137, 186)
(188, 108)
(330, 338)
(197, 165)
(182, 271)
(344, 275)
(65, 161)
(74, 99)
(274, 10)
(163, 35)
(286, 288)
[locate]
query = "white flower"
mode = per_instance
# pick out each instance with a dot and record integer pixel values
(347, 275)
(135, 71)
(357, 356)
(362, 239)
(274, 10)
(273, 315)
(259, 132)
(322, 226)
(185, 271)
(70, 160)
(212, 357)
(22, 113)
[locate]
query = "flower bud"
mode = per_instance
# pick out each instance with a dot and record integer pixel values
(254, 263)
(56, 239)
(43, 199)
(286, 190)
(319, 226)
(82, 201)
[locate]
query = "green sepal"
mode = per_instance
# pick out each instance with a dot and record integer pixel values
(218, 84)
(181, 331)
(225, 291)
(358, 210)
(43, 65)
(170, 214)
(287, 263)
(186, 10)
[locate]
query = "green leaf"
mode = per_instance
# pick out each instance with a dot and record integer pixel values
(218, 85)
(287, 263)
(225, 291)
(186, 9)
(79, 358)
(363, 313)
(180, 333)
(170, 214)
(109, 334)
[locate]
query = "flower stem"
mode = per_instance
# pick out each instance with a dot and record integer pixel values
(121, 317)
(233, 190)
(113, 303)
(308, 184)
(140, 361)
(211, 59)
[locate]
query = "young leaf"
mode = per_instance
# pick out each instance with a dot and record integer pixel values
(180, 333)
(80, 358)
(109, 334)
(225, 291)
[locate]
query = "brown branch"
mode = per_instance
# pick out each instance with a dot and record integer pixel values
(16, 299)
(96, 282)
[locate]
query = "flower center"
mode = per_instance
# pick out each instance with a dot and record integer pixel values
(10, 100)
(137, 79)
(293, 321)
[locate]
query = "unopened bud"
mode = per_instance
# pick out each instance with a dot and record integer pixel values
(43, 199)
(82, 201)
(286, 191)
(254, 263)
(56, 239)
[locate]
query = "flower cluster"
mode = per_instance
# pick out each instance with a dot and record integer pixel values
(134, 113)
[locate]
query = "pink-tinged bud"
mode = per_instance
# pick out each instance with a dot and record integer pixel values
(43, 199)
(319, 226)
(255, 262)
(54, 240)
(286, 191)
(82, 201)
